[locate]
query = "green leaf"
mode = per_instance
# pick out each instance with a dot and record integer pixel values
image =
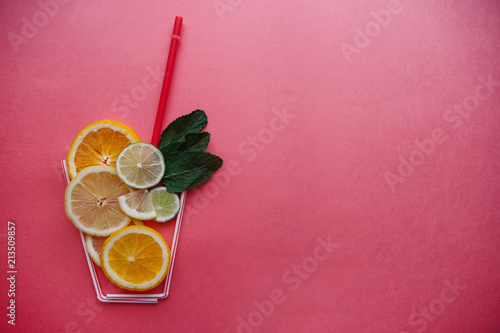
(186, 169)
(191, 142)
(177, 129)
(170, 148)
(195, 142)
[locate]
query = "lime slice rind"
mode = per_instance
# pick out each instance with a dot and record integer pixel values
(138, 205)
(140, 165)
(166, 204)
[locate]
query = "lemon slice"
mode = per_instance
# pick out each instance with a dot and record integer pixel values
(99, 143)
(140, 165)
(166, 204)
(94, 244)
(91, 201)
(135, 258)
(137, 204)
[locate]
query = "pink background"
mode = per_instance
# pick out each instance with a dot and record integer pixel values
(356, 98)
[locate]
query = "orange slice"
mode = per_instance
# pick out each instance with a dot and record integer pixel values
(94, 244)
(99, 143)
(135, 258)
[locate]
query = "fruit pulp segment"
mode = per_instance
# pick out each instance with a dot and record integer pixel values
(97, 243)
(140, 201)
(95, 200)
(100, 147)
(136, 258)
(141, 165)
(165, 204)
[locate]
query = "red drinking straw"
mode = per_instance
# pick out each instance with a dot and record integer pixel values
(166, 80)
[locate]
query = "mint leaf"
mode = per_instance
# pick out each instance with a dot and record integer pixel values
(177, 129)
(191, 142)
(186, 169)
(195, 142)
(170, 148)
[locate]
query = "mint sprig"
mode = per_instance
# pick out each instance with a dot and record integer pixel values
(183, 147)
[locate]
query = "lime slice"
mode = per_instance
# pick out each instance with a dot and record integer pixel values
(166, 204)
(140, 165)
(137, 204)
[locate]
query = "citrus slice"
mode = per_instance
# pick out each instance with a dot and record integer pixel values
(137, 204)
(140, 165)
(91, 201)
(166, 204)
(94, 244)
(135, 258)
(99, 143)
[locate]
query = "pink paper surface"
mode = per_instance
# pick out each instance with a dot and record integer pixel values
(360, 186)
